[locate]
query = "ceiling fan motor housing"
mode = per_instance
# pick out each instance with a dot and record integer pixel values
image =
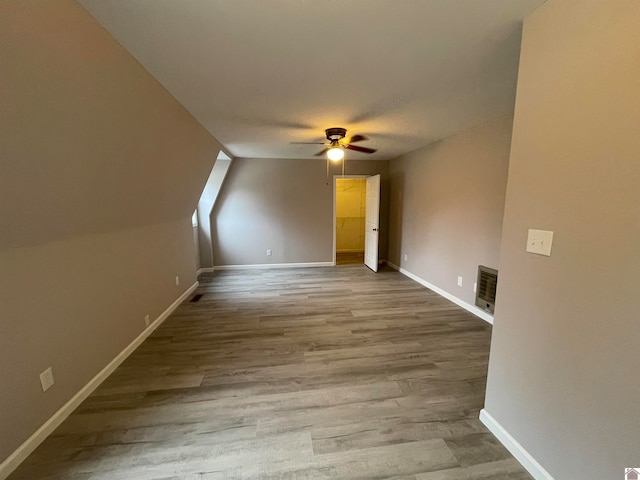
(335, 134)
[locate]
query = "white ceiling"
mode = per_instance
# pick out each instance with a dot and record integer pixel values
(259, 74)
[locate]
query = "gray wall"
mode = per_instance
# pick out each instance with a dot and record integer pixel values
(284, 205)
(447, 202)
(101, 170)
(565, 353)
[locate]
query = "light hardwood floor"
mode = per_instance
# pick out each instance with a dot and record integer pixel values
(349, 258)
(292, 374)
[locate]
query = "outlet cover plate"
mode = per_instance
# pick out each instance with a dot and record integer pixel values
(46, 379)
(539, 242)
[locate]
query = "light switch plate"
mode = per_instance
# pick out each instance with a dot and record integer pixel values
(539, 242)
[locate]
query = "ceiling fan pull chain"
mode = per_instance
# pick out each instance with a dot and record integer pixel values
(343, 162)
(327, 170)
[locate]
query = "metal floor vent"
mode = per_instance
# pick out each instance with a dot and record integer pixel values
(487, 285)
(196, 298)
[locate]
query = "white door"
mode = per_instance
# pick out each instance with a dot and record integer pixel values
(372, 223)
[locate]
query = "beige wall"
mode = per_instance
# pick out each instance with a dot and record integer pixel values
(284, 205)
(351, 203)
(447, 202)
(565, 353)
(90, 141)
(100, 171)
(74, 305)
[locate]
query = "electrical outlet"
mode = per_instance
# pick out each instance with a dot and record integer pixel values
(459, 281)
(268, 252)
(475, 287)
(539, 242)
(177, 280)
(406, 257)
(146, 320)
(46, 379)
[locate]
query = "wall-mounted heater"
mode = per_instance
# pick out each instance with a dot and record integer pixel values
(486, 290)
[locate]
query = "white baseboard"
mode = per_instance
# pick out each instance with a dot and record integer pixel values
(530, 464)
(29, 445)
(273, 265)
(205, 270)
(487, 317)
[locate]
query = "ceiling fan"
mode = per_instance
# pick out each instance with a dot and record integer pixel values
(337, 143)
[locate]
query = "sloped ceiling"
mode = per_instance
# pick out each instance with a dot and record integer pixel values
(89, 141)
(261, 74)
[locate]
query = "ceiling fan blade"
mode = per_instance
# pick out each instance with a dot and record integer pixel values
(357, 138)
(360, 149)
(307, 143)
(321, 152)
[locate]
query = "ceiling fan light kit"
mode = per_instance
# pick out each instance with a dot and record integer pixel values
(337, 145)
(335, 154)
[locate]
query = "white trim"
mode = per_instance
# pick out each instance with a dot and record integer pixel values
(487, 317)
(530, 464)
(205, 270)
(30, 444)
(335, 224)
(273, 265)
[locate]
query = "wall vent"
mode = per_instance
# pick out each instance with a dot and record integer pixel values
(486, 290)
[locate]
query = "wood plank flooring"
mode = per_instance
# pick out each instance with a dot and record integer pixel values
(348, 258)
(292, 374)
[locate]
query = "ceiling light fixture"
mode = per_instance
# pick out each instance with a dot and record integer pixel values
(335, 154)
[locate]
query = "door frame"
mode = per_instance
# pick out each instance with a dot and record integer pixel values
(335, 184)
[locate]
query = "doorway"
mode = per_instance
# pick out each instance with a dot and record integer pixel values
(349, 219)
